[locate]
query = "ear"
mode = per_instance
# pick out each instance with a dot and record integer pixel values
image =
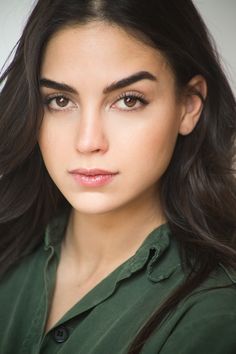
(194, 95)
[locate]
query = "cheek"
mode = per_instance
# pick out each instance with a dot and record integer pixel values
(52, 143)
(158, 142)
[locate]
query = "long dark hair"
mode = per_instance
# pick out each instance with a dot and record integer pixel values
(198, 189)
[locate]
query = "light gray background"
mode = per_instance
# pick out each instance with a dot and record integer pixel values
(220, 16)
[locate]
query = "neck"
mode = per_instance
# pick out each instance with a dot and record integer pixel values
(103, 240)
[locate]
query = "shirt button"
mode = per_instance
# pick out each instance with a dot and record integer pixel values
(60, 334)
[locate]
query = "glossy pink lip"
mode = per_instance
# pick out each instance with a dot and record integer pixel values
(93, 177)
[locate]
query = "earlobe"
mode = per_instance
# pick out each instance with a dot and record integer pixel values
(195, 95)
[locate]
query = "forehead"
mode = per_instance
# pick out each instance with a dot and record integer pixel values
(99, 48)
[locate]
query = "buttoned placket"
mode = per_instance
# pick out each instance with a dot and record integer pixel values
(36, 327)
(61, 332)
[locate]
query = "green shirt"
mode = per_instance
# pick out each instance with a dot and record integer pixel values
(106, 320)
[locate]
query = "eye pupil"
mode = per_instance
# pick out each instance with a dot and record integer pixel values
(61, 101)
(130, 101)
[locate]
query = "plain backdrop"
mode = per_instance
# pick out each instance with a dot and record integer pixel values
(219, 15)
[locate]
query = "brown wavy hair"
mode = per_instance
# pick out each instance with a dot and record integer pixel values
(198, 190)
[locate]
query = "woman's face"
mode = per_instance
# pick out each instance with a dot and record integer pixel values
(110, 105)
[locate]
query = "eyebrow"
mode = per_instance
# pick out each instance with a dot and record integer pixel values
(56, 85)
(141, 75)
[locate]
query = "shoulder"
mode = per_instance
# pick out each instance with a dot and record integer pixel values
(217, 294)
(26, 268)
(213, 301)
(205, 321)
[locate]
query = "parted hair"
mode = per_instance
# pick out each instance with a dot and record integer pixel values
(198, 189)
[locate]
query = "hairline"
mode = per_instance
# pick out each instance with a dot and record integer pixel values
(132, 32)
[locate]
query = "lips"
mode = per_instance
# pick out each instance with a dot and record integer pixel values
(93, 177)
(92, 172)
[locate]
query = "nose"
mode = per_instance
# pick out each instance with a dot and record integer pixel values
(91, 135)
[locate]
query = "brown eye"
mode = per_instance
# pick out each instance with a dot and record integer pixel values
(59, 103)
(62, 101)
(130, 101)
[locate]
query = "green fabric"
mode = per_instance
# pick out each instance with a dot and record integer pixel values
(107, 319)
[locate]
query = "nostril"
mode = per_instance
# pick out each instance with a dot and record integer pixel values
(92, 145)
(91, 136)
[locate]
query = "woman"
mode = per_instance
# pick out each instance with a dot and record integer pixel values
(118, 200)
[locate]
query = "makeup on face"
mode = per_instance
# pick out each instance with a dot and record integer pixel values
(111, 119)
(93, 177)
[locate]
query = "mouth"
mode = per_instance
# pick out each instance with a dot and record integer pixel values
(93, 177)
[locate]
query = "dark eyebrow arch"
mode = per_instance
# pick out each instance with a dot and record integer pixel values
(57, 86)
(141, 75)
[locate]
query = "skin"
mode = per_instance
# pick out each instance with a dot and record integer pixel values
(97, 130)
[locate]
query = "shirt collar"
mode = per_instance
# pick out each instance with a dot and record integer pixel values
(55, 230)
(152, 247)
(150, 252)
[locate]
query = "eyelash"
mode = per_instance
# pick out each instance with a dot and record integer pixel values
(133, 95)
(49, 99)
(140, 97)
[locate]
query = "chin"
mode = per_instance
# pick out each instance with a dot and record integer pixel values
(92, 209)
(92, 206)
